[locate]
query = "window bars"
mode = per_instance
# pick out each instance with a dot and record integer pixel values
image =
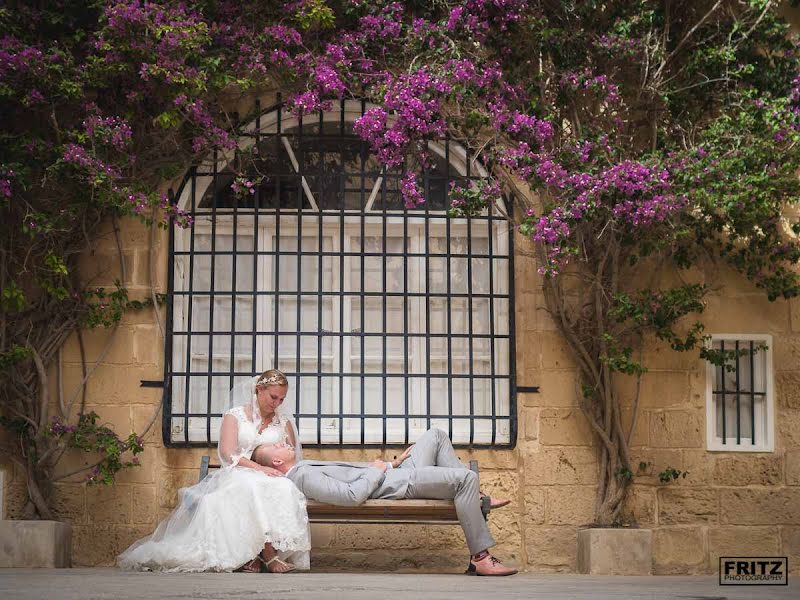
(739, 395)
(387, 320)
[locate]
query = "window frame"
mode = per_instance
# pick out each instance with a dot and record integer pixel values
(714, 443)
(222, 220)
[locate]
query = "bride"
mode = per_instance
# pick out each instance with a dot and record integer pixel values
(244, 510)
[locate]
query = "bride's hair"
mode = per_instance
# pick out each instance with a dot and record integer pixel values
(272, 377)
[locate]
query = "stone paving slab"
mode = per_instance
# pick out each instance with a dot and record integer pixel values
(112, 584)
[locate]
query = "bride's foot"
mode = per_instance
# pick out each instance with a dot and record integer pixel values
(254, 566)
(276, 565)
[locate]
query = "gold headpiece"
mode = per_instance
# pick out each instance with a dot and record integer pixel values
(273, 377)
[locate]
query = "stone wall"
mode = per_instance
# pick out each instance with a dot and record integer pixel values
(730, 503)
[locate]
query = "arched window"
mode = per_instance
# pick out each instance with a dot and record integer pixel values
(386, 320)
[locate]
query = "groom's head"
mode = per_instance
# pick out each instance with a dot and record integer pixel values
(277, 456)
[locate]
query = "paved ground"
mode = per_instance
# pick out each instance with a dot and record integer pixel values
(111, 584)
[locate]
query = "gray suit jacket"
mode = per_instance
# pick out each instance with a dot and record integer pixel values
(348, 484)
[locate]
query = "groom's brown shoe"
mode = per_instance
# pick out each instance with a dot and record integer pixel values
(489, 566)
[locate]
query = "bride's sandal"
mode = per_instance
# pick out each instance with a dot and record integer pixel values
(253, 566)
(280, 566)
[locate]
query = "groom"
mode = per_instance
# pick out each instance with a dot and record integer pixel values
(429, 470)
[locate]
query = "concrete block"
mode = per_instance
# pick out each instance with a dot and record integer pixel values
(615, 551)
(35, 544)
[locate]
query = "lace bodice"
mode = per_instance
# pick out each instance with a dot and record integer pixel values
(234, 445)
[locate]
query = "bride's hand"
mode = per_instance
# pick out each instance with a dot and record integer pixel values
(270, 472)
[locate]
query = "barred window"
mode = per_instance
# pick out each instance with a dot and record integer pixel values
(739, 413)
(387, 320)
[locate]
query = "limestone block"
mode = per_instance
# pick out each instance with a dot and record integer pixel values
(501, 484)
(697, 387)
(533, 505)
(741, 541)
(447, 536)
(525, 307)
(564, 427)
(556, 353)
(322, 535)
(785, 352)
(640, 506)
(751, 313)
(368, 537)
(790, 546)
(488, 459)
(664, 389)
(102, 267)
(69, 502)
(658, 355)
(142, 416)
(109, 504)
(135, 234)
(788, 425)
(145, 472)
(530, 424)
(148, 347)
(641, 433)
(759, 506)
(35, 544)
(685, 505)
(184, 458)
(162, 260)
(529, 358)
(558, 388)
(656, 459)
(699, 464)
(505, 529)
(544, 320)
(551, 549)
(750, 469)
(793, 467)
(794, 310)
(114, 384)
(570, 505)
(679, 550)
(144, 505)
(169, 484)
(561, 466)
(117, 418)
(787, 389)
(402, 561)
(15, 500)
(676, 429)
(72, 461)
(99, 545)
(120, 352)
(615, 551)
(528, 399)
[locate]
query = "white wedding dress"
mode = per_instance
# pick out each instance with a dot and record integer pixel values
(224, 521)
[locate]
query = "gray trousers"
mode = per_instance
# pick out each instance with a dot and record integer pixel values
(439, 475)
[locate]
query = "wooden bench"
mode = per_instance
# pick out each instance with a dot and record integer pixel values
(422, 512)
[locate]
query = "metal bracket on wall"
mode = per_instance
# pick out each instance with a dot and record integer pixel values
(528, 389)
(150, 383)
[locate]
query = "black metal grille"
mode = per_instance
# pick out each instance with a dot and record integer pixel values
(740, 393)
(387, 320)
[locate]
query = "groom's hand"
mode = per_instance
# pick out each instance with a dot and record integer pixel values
(399, 460)
(378, 464)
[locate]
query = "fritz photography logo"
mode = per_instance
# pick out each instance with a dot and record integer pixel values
(753, 570)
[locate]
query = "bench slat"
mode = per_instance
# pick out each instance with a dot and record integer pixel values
(399, 511)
